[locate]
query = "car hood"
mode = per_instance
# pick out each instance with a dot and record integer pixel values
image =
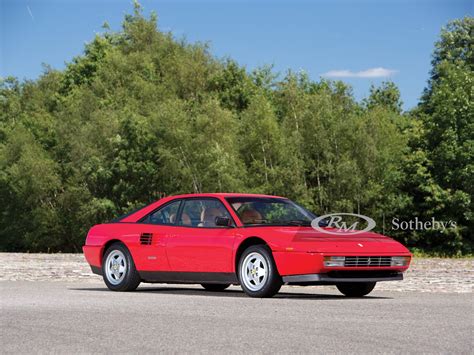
(309, 240)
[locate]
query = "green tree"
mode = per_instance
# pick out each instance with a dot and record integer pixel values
(387, 95)
(441, 173)
(141, 115)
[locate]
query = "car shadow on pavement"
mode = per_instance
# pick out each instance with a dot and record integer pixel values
(228, 293)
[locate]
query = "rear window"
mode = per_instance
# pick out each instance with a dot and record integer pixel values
(120, 218)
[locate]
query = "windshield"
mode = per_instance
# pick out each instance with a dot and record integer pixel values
(270, 211)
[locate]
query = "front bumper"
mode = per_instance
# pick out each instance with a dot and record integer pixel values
(311, 263)
(335, 278)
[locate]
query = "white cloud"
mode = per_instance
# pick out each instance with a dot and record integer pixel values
(369, 73)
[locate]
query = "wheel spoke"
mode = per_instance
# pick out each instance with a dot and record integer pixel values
(255, 279)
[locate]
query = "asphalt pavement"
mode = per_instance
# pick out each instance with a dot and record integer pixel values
(65, 317)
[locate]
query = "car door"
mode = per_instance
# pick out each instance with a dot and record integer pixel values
(198, 245)
(154, 229)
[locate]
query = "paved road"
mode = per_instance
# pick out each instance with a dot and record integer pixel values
(68, 318)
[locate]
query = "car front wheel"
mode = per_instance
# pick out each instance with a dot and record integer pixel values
(356, 289)
(118, 269)
(257, 272)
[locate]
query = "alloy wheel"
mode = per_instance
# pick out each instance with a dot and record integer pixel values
(116, 267)
(254, 271)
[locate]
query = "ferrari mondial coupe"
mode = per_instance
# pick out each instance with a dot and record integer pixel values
(260, 242)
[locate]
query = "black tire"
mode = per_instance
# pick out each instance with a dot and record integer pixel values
(273, 282)
(356, 289)
(215, 287)
(131, 278)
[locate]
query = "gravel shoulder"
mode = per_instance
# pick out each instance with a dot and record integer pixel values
(424, 275)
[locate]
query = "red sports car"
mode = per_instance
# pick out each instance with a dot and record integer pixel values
(260, 242)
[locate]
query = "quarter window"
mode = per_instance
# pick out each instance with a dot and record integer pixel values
(164, 215)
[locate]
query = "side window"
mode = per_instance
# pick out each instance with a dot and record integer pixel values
(202, 213)
(165, 215)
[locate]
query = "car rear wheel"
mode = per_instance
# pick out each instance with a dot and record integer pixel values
(257, 272)
(215, 287)
(356, 289)
(118, 269)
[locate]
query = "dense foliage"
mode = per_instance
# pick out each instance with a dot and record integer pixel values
(141, 115)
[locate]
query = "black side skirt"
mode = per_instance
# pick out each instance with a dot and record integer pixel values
(189, 277)
(96, 270)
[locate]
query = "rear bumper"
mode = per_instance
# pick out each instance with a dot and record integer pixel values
(327, 279)
(93, 255)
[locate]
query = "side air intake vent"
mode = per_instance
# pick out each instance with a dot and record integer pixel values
(146, 238)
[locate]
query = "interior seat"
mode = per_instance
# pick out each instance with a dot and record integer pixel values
(250, 216)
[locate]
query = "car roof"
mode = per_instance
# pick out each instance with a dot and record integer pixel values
(224, 194)
(134, 216)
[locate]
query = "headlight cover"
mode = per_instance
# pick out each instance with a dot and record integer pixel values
(331, 261)
(400, 260)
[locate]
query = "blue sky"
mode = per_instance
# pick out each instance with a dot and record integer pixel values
(359, 42)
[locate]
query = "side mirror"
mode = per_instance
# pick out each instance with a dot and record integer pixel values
(323, 223)
(223, 222)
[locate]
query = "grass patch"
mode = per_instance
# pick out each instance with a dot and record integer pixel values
(419, 253)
